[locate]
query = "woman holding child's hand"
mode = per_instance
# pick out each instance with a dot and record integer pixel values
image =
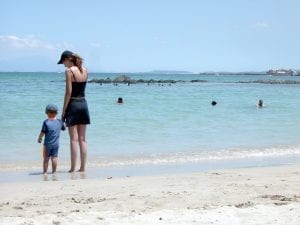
(75, 109)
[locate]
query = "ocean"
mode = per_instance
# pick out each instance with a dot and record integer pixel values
(169, 125)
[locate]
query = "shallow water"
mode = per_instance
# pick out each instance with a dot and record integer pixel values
(158, 125)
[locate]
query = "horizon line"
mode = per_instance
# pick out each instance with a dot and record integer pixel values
(152, 71)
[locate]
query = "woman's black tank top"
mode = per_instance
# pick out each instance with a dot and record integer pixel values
(78, 88)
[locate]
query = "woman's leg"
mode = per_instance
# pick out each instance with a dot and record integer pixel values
(73, 146)
(81, 130)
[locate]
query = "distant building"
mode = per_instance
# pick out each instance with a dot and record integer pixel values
(282, 72)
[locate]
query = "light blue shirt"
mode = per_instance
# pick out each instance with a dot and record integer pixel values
(51, 129)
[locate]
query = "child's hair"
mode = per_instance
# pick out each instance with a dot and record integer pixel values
(51, 112)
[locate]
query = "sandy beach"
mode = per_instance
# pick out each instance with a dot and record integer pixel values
(268, 195)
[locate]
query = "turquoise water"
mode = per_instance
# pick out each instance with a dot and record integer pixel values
(159, 125)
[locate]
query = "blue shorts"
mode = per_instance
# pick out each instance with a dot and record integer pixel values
(51, 151)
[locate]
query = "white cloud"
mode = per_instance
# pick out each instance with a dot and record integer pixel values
(27, 42)
(99, 45)
(262, 24)
(65, 45)
(95, 45)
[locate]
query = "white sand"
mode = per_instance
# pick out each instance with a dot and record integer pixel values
(239, 196)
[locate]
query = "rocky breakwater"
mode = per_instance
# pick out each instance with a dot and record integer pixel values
(123, 79)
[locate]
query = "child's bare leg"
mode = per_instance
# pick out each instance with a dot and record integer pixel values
(45, 164)
(54, 164)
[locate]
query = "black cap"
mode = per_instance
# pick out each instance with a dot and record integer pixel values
(51, 108)
(65, 55)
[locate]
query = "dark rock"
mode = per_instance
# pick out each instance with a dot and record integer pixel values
(127, 80)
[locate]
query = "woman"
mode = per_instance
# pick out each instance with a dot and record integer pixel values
(75, 110)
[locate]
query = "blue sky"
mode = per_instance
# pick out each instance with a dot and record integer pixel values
(137, 35)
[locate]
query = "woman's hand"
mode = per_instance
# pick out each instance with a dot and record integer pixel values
(63, 117)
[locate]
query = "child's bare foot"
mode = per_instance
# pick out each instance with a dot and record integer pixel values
(71, 171)
(54, 177)
(81, 170)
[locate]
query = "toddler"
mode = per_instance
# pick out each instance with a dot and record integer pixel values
(51, 130)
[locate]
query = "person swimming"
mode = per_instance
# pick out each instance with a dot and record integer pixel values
(260, 103)
(120, 100)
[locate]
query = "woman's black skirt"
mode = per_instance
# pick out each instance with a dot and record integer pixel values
(77, 112)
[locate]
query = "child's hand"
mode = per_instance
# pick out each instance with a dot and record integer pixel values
(40, 140)
(63, 126)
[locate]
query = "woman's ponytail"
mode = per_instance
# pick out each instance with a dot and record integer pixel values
(78, 61)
